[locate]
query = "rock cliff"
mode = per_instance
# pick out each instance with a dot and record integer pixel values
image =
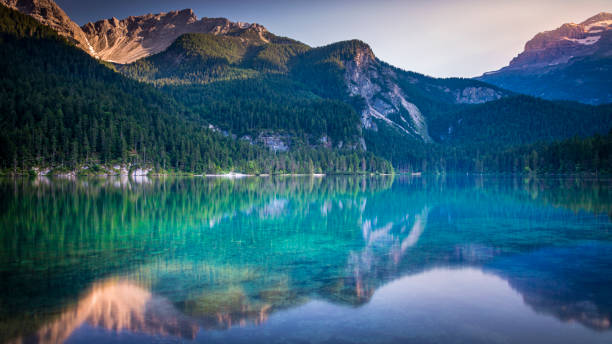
(127, 40)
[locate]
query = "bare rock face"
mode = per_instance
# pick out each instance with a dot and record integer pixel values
(572, 62)
(127, 40)
(568, 41)
(387, 101)
(49, 13)
(376, 84)
(476, 95)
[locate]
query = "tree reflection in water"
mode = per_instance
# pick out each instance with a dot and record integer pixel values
(175, 257)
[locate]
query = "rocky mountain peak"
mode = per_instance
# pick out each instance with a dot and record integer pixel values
(598, 18)
(49, 13)
(364, 56)
(571, 62)
(376, 83)
(567, 41)
(127, 40)
(386, 101)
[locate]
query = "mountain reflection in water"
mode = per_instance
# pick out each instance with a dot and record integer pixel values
(348, 259)
(118, 306)
(410, 307)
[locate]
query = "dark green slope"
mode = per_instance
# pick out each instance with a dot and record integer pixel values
(307, 97)
(524, 134)
(219, 100)
(575, 155)
(203, 58)
(273, 105)
(323, 69)
(519, 120)
(242, 84)
(61, 108)
(461, 132)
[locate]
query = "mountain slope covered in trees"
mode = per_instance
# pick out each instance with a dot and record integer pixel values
(251, 101)
(62, 108)
(403, 115)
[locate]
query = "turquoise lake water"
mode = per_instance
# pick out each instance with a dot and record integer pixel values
(455, 259)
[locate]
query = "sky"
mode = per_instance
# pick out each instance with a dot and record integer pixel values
(441, 38)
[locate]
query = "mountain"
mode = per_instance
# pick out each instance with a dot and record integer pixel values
(385, 95)
(77, 109)
(62, 109)
(572, 62)
(203, 58)
(47, 12)
(127, 40)
(347, 71)
(132, 38)
(285, 106)
(225, 50)
(235, 80)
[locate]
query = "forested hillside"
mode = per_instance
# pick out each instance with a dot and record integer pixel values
(61, 108)
(311, 94)
(254, 102)
(203, 58)
(592, 154)
(272, 103)
(243, 84)
(519, 120)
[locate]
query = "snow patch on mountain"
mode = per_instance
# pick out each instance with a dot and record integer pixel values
(599, 24)
(584, 41)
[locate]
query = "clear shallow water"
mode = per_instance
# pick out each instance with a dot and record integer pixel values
(323, 260)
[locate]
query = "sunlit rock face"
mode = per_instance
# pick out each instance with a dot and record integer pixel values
(366, 78)
(127, 40)
(49, 13)
(117, 306)
(568, 41)
(572, 62)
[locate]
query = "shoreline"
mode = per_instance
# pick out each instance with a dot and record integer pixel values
(238, 175)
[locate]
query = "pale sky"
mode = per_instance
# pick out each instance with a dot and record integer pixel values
(441, 38)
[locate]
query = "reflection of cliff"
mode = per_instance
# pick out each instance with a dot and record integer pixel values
(118, 306)
(106, 226)
(385, 246)
(121, 306)
(226, 253)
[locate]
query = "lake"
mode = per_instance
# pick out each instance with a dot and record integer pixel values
(453, 259)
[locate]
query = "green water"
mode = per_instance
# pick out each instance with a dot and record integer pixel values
(300, 259)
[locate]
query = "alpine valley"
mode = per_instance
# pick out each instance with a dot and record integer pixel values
(169, 93)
